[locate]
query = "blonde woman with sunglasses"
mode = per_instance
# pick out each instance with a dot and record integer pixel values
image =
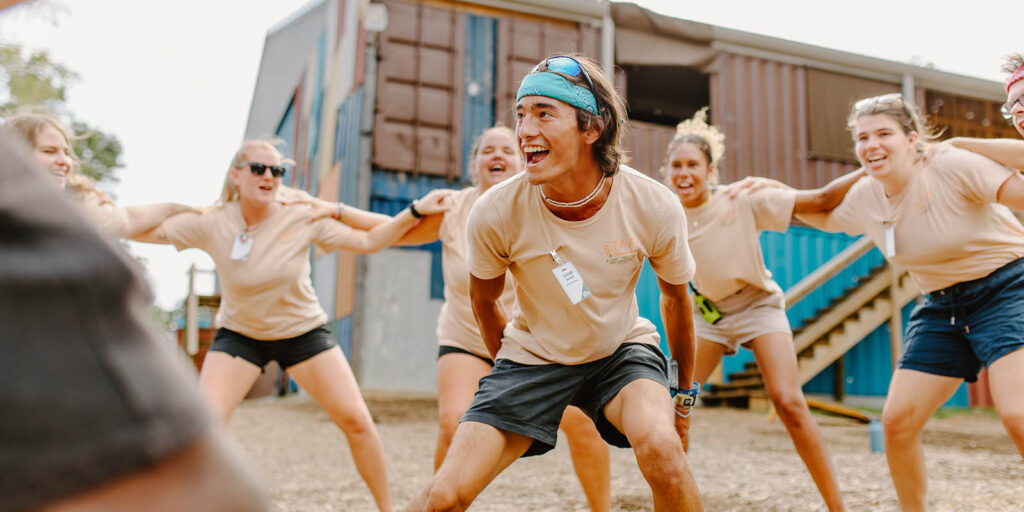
(940, 213)
(51, 148)
(269, 310)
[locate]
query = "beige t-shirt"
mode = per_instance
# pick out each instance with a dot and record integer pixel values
(511, 229)
(723, 238)
(456, 325)
(947, 226)
(111, 219)
(269, 295)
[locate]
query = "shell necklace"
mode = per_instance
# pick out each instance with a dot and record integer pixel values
(575, 204)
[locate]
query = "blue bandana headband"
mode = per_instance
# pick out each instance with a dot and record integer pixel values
(553, 85)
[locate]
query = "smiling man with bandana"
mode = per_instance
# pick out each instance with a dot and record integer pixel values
(574, 231)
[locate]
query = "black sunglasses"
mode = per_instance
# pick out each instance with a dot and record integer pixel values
(258, 169)
(571, 67)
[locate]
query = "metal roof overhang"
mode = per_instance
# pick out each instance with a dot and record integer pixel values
(282, 65)
(648, 38)
(572, 10)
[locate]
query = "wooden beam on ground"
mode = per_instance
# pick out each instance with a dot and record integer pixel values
(842, 410)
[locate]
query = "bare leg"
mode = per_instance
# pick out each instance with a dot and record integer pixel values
(589, 458)
(777, 360)
(479, 452)
(913, 397)
(225, 380)
(709, 354)
(1006, 380)
(207, 476)
(328, 379)
(458, 376)
(643, 412)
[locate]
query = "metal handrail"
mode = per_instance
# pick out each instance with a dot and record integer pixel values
(825, 272)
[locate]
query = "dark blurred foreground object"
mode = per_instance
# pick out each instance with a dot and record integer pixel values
(95, 412)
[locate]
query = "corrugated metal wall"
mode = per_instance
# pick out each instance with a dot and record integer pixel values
(645, 144)
(346, 157)
(523, 42)
(761, 106)
(419, 99)
(478, 83)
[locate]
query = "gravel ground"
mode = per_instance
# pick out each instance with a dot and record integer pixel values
(741, 462)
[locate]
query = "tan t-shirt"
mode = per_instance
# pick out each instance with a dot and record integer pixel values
(269, 295)
(111, 219)
(947, 226)
(511, 229)
(723, 236)
(456, 325)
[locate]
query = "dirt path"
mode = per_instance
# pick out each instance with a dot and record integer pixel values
(741, 462)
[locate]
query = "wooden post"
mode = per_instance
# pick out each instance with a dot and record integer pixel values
(192, 315)
(896, 317)
(839, 379)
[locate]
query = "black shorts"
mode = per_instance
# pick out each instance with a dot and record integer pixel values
(530, 399)
(287, 352)
(449, 349)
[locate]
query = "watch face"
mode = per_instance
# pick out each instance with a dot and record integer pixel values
(684, 400)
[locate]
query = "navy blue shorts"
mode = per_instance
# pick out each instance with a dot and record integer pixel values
(287, 352)
(957, 329)
(529, 399)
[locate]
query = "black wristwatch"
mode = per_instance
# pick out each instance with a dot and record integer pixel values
(413, 211)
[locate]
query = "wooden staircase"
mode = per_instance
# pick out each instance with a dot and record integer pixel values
(832, 331)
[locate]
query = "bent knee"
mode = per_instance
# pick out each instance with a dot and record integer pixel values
(899, 423)
(789, 404)
(448, 426)
(442, 499)
(354, 422)
(658, 446)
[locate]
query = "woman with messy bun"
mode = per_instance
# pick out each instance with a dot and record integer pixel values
(737, 302)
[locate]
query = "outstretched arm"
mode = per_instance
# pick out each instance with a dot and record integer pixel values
(824, 199)
(389, 233)
(350, 215)
(484, 295)
(1008, 152)
(144, 218)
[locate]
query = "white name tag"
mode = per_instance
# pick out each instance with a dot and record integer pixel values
(571, 282)
(240, 249)
(890, 242)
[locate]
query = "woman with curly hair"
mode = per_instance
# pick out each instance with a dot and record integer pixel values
(737, 302)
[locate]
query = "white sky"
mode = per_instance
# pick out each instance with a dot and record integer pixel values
(174, 80)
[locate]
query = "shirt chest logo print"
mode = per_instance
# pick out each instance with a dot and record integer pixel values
(618, 252)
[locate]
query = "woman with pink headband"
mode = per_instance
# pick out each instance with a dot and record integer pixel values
(1005, 151)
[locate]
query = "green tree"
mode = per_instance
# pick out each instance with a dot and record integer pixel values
(32, 80)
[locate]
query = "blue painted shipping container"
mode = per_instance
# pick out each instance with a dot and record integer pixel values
(790, 257)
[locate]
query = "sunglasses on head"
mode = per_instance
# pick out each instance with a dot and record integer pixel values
(258, 169)
(884, 99)
(568, 66)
